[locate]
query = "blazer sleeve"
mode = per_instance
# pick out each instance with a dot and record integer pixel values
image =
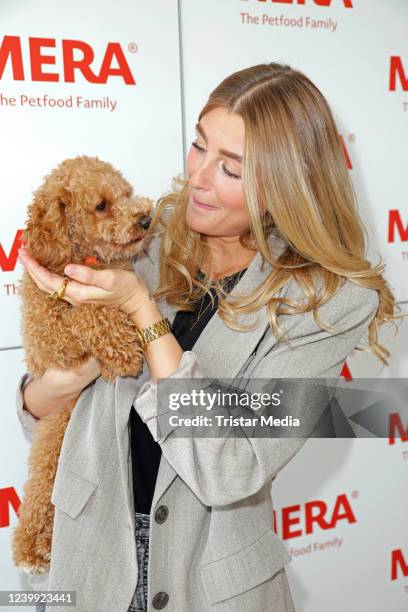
(27, 421)
(221, 471)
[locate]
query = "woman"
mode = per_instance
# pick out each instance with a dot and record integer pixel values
(262, 235)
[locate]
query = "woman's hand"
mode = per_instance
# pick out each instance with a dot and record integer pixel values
(74, 380)
(121, 288)
(57, 390)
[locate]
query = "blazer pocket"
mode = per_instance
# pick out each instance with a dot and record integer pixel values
(71, 491)
(244, 569)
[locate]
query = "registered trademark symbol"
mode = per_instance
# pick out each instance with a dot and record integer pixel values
(355, 494)
(133, 48)
(351, 138)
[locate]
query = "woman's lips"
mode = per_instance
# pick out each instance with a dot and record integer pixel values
(204, 206)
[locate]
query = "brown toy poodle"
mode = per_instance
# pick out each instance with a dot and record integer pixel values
(84, 212)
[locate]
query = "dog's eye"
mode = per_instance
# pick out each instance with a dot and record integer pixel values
(101, 206)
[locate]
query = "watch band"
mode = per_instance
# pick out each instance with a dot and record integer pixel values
(153, 331)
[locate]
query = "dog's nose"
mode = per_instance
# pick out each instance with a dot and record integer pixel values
(144, 222)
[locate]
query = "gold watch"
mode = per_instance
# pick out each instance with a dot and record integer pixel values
(153, 331)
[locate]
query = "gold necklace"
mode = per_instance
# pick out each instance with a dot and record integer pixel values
(225, 282)
(200, 315)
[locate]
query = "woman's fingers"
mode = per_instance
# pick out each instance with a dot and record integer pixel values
(47, 281)
(104, 279)
(86, 285)
(43, 278)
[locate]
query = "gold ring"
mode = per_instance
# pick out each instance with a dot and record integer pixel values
(60, 292)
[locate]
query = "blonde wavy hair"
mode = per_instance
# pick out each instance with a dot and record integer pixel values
(294, 170)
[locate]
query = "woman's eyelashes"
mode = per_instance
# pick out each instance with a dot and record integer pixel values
(225, 169)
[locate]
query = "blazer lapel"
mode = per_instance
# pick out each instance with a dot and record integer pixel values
(221, 350)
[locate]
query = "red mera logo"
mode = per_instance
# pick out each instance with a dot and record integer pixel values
(398, 563)
(346, 3)
(8, 498)
(113, 62)
(395, 225)
(8, 262)
(396, 426)
(313, 514)
(397, 73)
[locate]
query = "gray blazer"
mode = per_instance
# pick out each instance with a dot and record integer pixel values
(217, 549)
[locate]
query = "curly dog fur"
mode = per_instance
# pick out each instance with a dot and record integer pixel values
(83, 212)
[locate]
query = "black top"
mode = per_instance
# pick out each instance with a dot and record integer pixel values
(146, 453)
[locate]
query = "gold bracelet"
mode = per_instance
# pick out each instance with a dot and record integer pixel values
(153, 331)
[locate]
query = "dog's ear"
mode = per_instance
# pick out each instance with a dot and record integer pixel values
(46, 234)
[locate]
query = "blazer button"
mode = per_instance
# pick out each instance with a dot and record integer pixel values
(160, 600)
(161, 514)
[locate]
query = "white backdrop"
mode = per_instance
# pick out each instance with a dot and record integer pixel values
(176, 53)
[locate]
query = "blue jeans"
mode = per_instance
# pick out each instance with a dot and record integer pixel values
(142, 525)
(139, 601)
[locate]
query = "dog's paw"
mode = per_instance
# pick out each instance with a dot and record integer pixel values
(35, 568)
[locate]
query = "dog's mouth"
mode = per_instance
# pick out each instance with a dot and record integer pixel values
(134, 240)
(129, 242)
